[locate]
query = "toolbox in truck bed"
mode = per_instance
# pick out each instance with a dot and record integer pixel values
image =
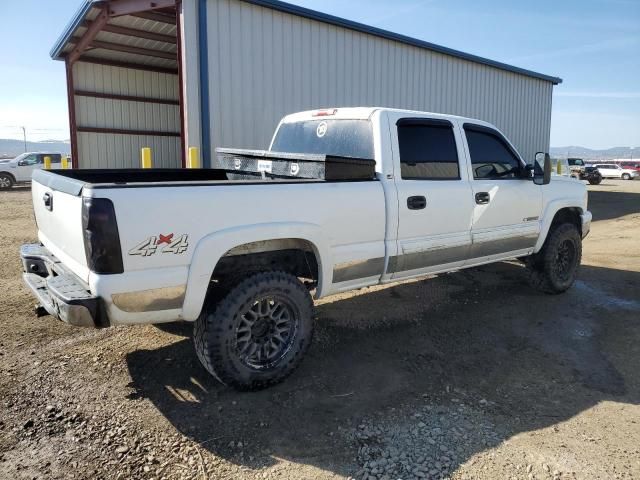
(248, 164)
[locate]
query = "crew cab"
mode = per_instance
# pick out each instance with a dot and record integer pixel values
(242, 257)
(20, 169)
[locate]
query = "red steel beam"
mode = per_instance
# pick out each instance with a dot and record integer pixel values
(134, 66)
(127, 131)
(134, 32)
(119, 47)
(71, 101)
(156, 17)
(127, 7)
(183, 136)
(89, 35)
(126, 98)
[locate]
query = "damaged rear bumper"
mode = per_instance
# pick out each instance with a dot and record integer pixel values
(60, 292)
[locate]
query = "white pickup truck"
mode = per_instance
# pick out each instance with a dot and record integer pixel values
(241, 258)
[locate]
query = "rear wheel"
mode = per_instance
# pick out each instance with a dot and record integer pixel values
(6, 181)
(555, 268)
(257, 333)
(626, 176)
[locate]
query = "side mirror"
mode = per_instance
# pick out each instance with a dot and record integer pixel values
(542, 169)
(22, 163)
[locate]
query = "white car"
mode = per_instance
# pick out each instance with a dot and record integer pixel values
(611, 170)
(20, 169)
(376, 196)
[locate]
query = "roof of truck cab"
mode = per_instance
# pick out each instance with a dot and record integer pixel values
(365, 113)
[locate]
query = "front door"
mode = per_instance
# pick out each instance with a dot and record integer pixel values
(25, 167)
(434, 196)
(507, 207)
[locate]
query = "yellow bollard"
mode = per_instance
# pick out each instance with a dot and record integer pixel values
(65, 163)
(194, 158)
(47, 163)
(146, 157)
(559, 168)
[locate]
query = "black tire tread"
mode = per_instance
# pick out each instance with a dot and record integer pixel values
(219, 309)
(540, 265)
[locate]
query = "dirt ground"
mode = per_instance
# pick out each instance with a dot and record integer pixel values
(467, 375)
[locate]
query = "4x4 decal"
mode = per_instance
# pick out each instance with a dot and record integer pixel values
(170, 243)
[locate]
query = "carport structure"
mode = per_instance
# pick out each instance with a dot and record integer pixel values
(124, 75)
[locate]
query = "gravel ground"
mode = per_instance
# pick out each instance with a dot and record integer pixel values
(467, 375)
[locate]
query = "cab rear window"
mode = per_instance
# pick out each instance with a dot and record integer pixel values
(343, 138)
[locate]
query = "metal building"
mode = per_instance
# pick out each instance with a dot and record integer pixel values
(171, 74)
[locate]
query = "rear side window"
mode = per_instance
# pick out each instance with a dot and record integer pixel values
(491, 156)
(427, 150)
(342, 138)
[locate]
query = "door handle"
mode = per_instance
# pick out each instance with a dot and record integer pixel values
(482, 198)
(48, 201)
(416, 203)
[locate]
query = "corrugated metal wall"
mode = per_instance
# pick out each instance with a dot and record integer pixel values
(112, 150)
(264, 64)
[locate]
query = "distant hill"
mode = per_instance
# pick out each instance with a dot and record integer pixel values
(589, 154)
(10, 148)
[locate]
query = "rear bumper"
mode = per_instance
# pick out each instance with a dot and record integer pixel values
(60, 292)
(586, 223)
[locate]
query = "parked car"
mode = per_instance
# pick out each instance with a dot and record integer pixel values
(591, 175)
(344, 199)
(20, 169)
(611, 170)
(633, 165)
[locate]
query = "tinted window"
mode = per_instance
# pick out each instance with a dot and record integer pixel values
(343, 138)
(427, 151)
(491, 156)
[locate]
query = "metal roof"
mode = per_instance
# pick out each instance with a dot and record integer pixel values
(60, 47)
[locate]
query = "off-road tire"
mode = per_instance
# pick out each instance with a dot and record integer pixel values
(626, 176)
(597, 181)
(6, 181)
(215, 331)
(543, 266)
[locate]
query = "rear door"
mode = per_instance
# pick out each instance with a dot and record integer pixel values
(507, 207)
(434, 195)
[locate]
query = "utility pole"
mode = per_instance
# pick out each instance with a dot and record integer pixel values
(24, 135)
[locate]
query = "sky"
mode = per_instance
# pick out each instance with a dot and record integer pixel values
(593, 45)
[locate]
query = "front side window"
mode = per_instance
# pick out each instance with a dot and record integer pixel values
(427, 150)
(491, 156)
(29, 160)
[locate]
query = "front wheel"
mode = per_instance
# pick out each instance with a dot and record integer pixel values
(555, 268)
(256, 335)
(6, 181)
(595, 181)
(626, 176)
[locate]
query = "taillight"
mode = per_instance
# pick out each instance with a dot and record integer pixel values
(101, 238)
(325, 113)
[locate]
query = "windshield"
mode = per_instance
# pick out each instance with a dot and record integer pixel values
(343, 138)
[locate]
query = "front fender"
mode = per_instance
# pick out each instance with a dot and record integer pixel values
(214, 246)
(550, 211)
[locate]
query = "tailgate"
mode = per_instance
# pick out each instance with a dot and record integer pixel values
(57, 203)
